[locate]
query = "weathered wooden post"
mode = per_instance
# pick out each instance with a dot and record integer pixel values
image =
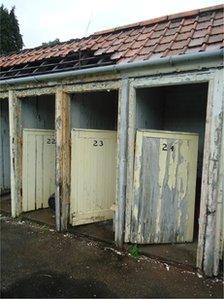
(15, 129)
(63, 164)
(211, 224)
(122, 161)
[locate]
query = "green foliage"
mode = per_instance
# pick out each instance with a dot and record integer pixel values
(51, 43)
(134, 251)
(10, 37)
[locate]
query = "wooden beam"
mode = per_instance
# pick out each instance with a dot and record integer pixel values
(210, 224)
(4, 95)
(15, 153)
(90, 87)
(121, 162)
(34, 92)
(63, 159)
(130, 159)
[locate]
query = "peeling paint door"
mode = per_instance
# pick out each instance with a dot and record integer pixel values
(164, 187)
(93, 175)
(38, 168)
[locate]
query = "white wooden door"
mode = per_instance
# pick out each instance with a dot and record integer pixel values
(164, 187)
(38, 168)
(93, 175)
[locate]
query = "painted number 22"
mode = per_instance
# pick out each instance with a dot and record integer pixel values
(51, 141)
(98, 143)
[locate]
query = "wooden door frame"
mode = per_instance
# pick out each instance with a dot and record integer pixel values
(63, 202)
(210, 226)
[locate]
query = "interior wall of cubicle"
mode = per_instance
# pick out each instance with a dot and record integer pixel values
(94, 110)
(4, 148)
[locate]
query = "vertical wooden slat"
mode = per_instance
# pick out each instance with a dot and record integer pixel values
(121, 162)
(210, 226)
(130, 160)
(15, 153)
(63, 164)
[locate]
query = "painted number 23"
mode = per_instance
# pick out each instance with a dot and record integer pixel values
(98, 143)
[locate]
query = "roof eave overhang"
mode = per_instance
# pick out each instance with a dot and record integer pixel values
(117, 68)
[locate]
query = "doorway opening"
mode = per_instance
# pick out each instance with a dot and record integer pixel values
(38, 157)
(93, 163)
(179, 108)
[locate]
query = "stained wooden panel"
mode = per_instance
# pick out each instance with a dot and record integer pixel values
(164, 187)
(93, 175)
(38, 168)
(4, 147)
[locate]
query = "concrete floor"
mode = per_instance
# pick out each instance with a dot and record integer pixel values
(5, 203)
(99, 231)
(38, 262)
(183, 254)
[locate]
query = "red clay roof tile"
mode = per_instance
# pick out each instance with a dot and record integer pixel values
(203, 25)
(171, 31)
(204, 18)
(167, 39)
(161, 48)
(146, 50)
(218, 22)
(175, 24)
(157, 34)
(187, 28)
(179, 45)
(216, 38)
(116, 55)
(196, 42)
(189, 21)
(199, 33)
(184, 36)
(217, 30)
(131, 53)
(193, 31)
(219, 14)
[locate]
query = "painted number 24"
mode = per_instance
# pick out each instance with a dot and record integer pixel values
(165, 148)
(98, 143)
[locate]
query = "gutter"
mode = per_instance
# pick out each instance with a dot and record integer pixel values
(169, 61)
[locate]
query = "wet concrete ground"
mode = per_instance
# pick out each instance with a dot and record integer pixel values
(38, 262)
(182, 254)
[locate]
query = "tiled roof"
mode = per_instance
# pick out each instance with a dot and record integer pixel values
(192, 31)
